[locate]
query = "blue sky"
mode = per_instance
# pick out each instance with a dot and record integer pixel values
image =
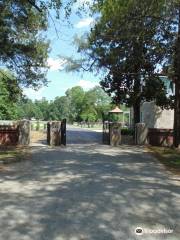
(62, 44)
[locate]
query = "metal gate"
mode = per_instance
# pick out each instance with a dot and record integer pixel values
(106, 133)
(48, 132)
(63, 132)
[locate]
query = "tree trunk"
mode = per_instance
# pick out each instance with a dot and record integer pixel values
(177, 90)
(177, 115)
(136, 111)
(136, 115)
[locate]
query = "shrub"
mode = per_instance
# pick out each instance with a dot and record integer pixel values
(127, 131)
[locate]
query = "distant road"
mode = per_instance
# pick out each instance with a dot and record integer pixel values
(78, 135)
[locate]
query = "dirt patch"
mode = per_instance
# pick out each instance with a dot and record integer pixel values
(38, 136)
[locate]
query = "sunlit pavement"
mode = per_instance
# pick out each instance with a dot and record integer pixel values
(88, 191)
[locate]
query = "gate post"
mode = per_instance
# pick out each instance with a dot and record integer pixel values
(54, 133)
(24, 132)
(141, 134)
(115, 134)
(63, 132)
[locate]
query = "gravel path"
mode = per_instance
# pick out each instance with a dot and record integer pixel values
(88, 192)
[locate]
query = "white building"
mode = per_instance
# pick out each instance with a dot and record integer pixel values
(154, 116)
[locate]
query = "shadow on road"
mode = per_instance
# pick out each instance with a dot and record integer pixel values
(87, 193)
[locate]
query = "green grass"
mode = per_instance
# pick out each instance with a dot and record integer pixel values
(12, 154)
(168, 156)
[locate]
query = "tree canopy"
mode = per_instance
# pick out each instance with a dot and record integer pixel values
(77, 105)
(10, 93)
(125, 43)
(23, 44)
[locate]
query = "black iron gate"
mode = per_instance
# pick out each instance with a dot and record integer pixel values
(63, 132)
(48, 133)
(106, 133)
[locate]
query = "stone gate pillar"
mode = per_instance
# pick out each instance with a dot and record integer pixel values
(141, 134)
(24, 132)
(54, 138)
(115, 133)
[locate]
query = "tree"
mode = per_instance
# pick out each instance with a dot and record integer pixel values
(89, 115)
(126, 43)
(97, 99)
(76, 105)
(59, 108)
(27, 109)
(9, 94)
(23, 45)
(169, 33)
(43, 106)
(171, 23)
(75, 98)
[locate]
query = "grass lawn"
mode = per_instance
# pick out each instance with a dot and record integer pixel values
(13, 154)
(168, 156)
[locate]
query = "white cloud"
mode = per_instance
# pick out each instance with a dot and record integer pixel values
(56, 64)
(33, 94)
(87, 84)
(85, 22)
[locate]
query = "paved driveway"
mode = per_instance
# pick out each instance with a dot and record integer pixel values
(77, 135)
(88, 192)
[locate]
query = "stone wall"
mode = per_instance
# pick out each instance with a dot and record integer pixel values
(9, 135)
(19, 133)
(154, 136)
(160, 137)
(14, 132)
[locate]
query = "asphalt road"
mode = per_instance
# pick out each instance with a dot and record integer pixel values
(77, 135)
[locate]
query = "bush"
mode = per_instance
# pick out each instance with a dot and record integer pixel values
(127, 131)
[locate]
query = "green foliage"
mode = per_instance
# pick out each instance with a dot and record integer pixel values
(127, 42)
(89, 115)
(9, 94)
(58, 109)
(23, 48)
(77, 105)
(75, 98)
(43, 107)
(23, 44)
(27, 110)
(98, 100)
(127, 131)
(116, 117)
